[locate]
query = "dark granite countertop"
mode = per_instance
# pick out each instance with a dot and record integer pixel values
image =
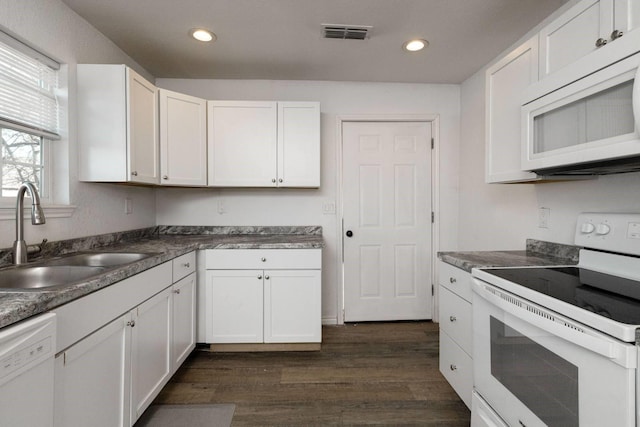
(537, 253)
(19, 305)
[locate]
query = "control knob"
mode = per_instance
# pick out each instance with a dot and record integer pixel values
(602, 229)
(587, 228)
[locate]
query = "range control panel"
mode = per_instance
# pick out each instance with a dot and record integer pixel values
(616, 232)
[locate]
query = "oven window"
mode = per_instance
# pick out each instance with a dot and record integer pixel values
(546, 383)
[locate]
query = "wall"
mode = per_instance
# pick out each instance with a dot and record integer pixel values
(502, 216)
(305, 206)
(51, 27)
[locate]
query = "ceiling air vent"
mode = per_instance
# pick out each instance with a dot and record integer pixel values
(345, 32)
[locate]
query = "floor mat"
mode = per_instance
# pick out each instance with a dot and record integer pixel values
(218, 415)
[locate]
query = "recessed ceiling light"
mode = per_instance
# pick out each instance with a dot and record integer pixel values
(202, 35)
(415, 45)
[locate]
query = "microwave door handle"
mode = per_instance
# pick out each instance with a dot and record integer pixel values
(636, 100)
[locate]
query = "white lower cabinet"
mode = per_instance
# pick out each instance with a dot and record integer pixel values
(456, 344)
(150, 350)
(184, 320)
(278, 303)
(92, 379)
(107, 375)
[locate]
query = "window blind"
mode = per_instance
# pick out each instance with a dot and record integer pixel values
(27, 93)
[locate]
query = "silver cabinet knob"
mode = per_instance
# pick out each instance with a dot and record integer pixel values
(134, 173)
(616, 34)
(176, 291)
(186, 265)
(452, 280)
(452, 318)
(266, 277)
(273, 180)
(601, 42)
(280, 180)
(259, 277)
(131, 323)
(263, 259)
(453, 367)
(165, 177)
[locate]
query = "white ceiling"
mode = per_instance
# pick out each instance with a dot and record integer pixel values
(281, 39)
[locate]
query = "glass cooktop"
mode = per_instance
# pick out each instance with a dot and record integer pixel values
(610, 296)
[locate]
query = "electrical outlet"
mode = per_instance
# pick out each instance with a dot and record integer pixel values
(543, 217)
(329, 208)
(128, 206)
(222, 209)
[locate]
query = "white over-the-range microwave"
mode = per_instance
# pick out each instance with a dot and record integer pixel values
(585, 119)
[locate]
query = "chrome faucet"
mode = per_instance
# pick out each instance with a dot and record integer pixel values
(37, 218)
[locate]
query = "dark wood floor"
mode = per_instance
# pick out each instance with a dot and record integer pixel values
(365, 374)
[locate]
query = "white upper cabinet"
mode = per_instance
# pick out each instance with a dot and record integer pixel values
(584, 28)
(117, 125)
(298, 144)
(263, 144)
(505, 81)
(183, 139)
(242, 143)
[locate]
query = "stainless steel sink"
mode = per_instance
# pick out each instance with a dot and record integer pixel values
(44, 276)
(100, 259)
(64, 271)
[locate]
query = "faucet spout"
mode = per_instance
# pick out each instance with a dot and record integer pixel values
(37, 218)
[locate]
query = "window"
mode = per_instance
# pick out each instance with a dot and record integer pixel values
(28, 116)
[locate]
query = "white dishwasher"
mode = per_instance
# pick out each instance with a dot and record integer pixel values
(26, 372)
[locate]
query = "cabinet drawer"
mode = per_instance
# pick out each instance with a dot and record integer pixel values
(258, 259)
(183, 266)
(456, 280)
(457, 367)
(455, 319)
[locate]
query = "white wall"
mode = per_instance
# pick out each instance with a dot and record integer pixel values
(51, 27)
(502, 216)
(304, 207)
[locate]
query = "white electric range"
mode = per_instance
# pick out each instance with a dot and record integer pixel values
(556, 346)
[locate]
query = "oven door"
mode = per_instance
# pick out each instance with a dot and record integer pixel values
(537, 368)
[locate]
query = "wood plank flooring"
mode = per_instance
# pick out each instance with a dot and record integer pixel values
(366, 374)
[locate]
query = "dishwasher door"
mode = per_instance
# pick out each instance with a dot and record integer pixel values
(26, 372)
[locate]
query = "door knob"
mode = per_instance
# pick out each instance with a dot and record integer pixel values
(349, 233)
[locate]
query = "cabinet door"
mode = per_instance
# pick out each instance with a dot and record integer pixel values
(142, 130)
(183, 319)
(234, 306)
(292, 306)
(298, 144)
(92, 379)
(150, 351)
(626, 15)
(242, 142)
(574, 34)
(505, 82)
(183, 139)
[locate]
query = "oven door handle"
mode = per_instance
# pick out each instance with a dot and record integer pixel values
(528, 314)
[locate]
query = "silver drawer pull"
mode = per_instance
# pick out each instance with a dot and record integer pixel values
(453, 367)
(452, 318)
(452, 280)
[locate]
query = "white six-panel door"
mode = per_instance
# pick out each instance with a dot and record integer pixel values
(387, 213)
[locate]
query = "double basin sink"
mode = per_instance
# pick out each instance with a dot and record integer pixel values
(64, 271)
